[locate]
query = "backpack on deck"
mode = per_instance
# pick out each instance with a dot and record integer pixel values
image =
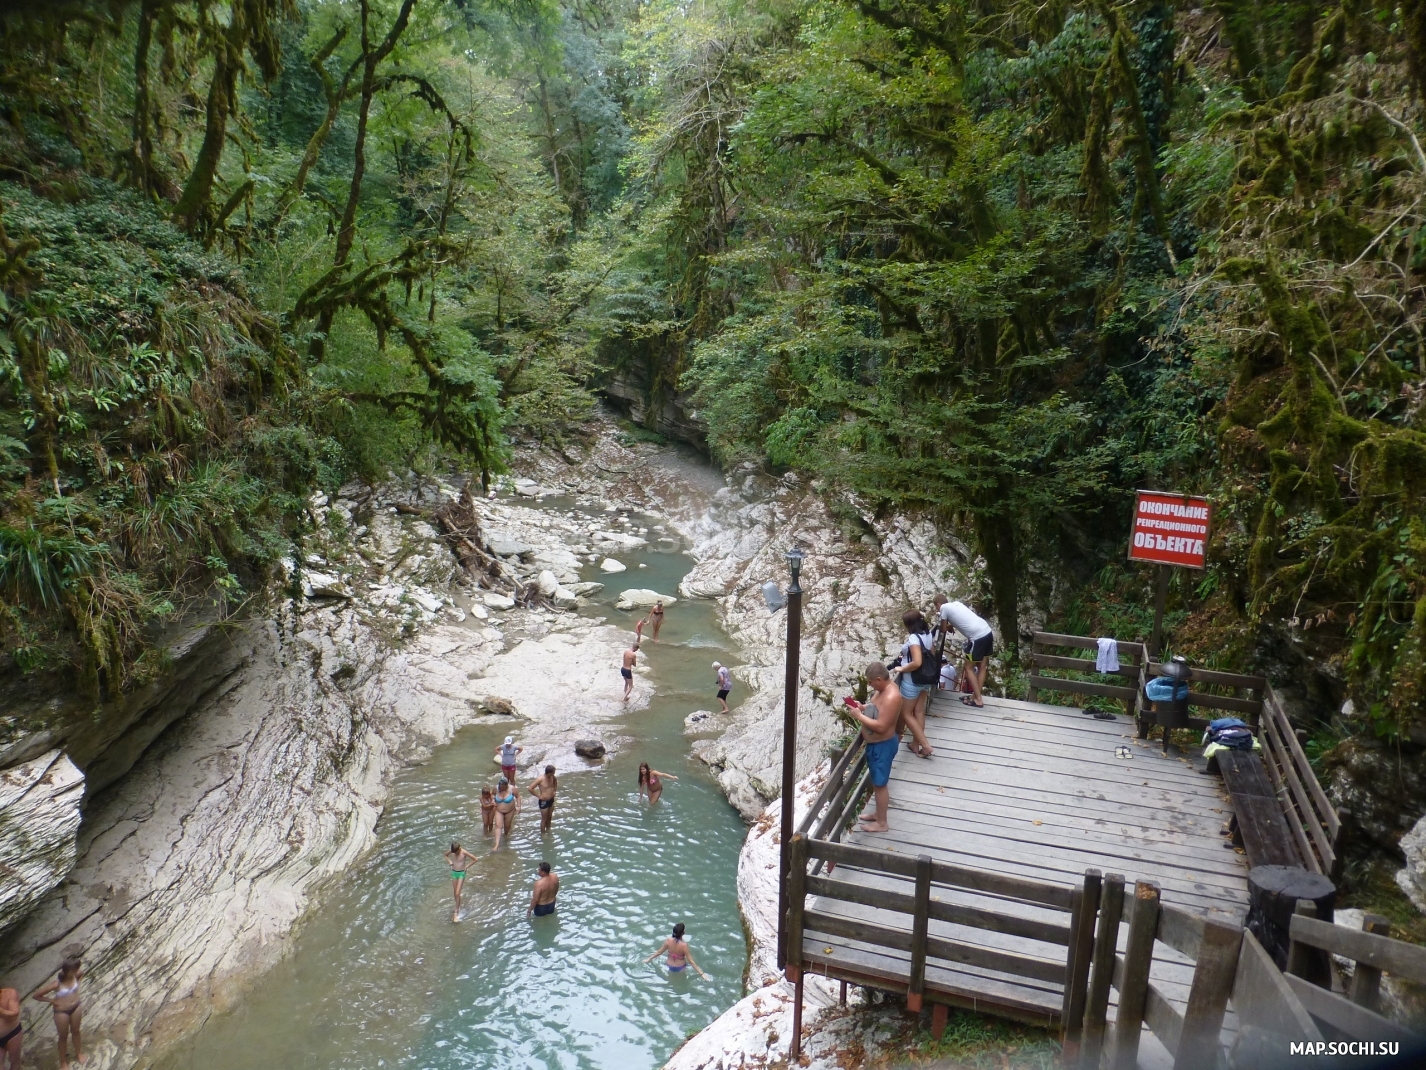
(1230, 732)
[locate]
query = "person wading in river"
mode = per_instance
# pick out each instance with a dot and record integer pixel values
(679, 956)
(656, 619)
(651, 781)
(507, 805)
(487, 809)
(627, 672)
(507, 756)
(878, 719)
(62, 994)
(542, 898)
(544, 789)
(12, 1035)
(458, 858)
(725, 683)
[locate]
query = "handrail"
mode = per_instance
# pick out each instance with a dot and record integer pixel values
(834, 778)
(1317, 827)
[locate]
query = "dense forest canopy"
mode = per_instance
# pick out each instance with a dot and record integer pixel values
(999, 261)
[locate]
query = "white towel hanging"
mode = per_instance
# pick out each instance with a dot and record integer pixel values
(1107, 660)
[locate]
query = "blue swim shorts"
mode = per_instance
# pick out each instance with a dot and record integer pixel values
(878, 760)
(908, 690)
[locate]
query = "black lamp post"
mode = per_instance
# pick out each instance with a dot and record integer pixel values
(789, 744)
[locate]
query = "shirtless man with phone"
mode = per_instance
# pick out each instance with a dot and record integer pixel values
(878, 719)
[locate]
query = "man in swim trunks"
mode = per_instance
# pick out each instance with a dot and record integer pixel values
(878, 720)
(656, 619)
(627, 672)
(542, 899)
(544, 790)
(506, 756)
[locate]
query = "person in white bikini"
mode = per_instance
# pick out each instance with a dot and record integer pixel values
(62, 994)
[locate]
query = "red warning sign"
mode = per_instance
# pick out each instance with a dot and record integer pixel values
(1169, 529)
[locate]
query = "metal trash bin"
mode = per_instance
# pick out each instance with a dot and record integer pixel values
(1173, 713)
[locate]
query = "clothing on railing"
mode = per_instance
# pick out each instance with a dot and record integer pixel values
(1107, 660)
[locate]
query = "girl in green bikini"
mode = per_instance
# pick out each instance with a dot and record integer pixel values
(458, 857)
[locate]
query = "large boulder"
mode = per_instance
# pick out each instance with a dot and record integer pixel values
(589, 748)
(497, 601)
(548, 583)
(618, 539)
(564, 598)
(39, 820)
(640, 598)
(586, 588)
(1412, 878)
(609, 564)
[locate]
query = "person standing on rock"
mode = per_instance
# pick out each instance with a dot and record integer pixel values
(544, 790)
(458, 858)
(12, 1034)
(542, 898)
(725, 683)
(507, 804)
(62, 994)
(879, 720)
(651, 781)
(507, 756)
(980, 643)
(627, 672)
(656, 619)
(679, 956)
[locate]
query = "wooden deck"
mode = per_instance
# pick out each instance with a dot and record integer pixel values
(1036, 791)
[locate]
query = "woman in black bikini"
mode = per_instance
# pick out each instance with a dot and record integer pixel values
(11, 1034)
(651, 781)
(62, 994)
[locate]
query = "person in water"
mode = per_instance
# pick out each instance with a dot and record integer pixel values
(627, 672)
(487, 809)
(679, 956)
(506, 756)
(544, 790)
(12, 1035)
(656, 619)
(507, 804)
(651, 781)
(459, 858)
(879, 720)
(725, 683)
(542, 898)
(62, 994)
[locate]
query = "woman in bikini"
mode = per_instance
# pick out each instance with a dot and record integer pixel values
(656, 619)
(487, 809)
(62, 994)
(651, 781)
(507, 802)
(459, 858)
(679, 957)
(11, 1033)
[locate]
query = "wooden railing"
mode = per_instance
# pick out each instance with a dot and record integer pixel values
(1131, 659)
(1317, 827)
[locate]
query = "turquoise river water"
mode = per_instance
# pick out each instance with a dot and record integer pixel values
(380, 977)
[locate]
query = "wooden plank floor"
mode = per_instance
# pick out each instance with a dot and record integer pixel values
(1032, 790)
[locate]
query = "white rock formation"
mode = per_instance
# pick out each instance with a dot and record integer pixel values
(640, 597)
(610, 564)
(39, 817)
(1412, 877)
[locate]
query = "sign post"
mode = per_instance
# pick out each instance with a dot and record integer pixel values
(1171, 531)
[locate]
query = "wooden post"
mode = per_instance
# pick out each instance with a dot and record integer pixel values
(789, 746)
(796, 902)
(1111, 909)
(1077, 965)
(842, 996)
(940, 1013)
(1134, 984)
(794, 1046)
(1304, 960)
(1213, 975)
(1161, 593)
(1365, 990)
(920, 922)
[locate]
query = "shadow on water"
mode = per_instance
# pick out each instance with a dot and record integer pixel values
(380, 977)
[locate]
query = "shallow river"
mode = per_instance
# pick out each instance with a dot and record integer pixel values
(380, 977)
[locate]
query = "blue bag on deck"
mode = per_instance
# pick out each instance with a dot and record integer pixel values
(1230, 732)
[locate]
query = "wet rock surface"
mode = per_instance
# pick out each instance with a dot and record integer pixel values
(39, 822)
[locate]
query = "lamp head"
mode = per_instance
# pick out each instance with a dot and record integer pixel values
(794, 561)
